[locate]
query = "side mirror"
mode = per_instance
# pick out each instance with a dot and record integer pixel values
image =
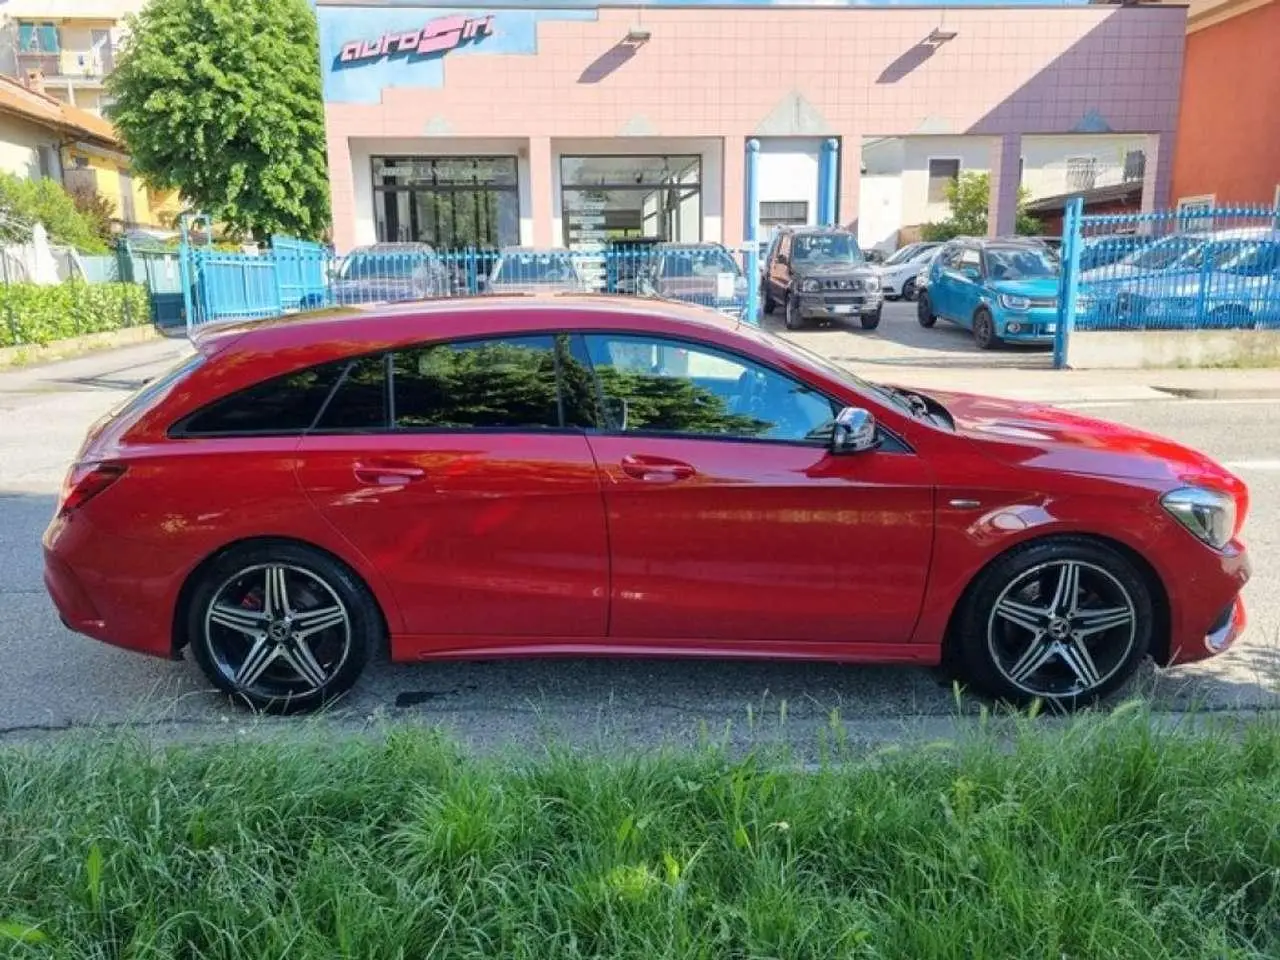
(971, 273)
(855, 431)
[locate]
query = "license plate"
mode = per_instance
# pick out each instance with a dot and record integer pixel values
(843, 308)
(1051, 328)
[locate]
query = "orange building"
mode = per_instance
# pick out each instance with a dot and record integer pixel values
(1228, 140)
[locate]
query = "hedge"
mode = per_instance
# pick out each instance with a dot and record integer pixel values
(35, 314)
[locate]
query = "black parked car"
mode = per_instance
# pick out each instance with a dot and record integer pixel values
(819, 273)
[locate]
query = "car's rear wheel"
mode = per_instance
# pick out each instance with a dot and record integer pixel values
(984, 330)
(924, 311)
(909, 289)
(872, 320)
(1066, 621)
(281, 627)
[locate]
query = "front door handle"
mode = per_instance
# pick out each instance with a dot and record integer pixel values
(660, 469)
(388, 474)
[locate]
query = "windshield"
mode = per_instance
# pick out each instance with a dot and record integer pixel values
(1248, 258)
(1017, 263)
(381, 266)
(906, 253)
(535, 268)
(1255, 260)
(1162, 253)
(827, 248)
(703, 262)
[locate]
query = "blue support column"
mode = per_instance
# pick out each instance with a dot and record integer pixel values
(1069, 288)
(828, 181)
(752, 175)
(751, 255)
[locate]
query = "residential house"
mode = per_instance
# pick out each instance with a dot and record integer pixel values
(40, 136)
(1227, 150)
(67, 46)
(905, 179)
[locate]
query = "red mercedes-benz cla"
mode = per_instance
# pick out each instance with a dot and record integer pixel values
(579, 476)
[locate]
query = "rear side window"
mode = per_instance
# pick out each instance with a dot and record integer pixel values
(507, 383)
(281, 405)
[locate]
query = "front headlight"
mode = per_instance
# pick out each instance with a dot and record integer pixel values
(873, 283)
(1209, 514)
(1011, 302)
(809, 286)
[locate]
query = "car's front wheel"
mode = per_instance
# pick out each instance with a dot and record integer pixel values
(769, 303)
(281, 627)
(984, 330)
(872, 320)
(924, 311)
(909, 289)
(1066, 621)
(793, 318)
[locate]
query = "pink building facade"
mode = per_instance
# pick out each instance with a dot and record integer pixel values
(570, 125)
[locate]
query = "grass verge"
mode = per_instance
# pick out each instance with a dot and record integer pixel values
(1106, 840)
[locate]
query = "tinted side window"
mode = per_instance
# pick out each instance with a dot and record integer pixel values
(501, 383)
(280, 406)
(360, 402)
(663, 386)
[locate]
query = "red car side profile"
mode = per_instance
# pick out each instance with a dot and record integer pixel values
(575, 475)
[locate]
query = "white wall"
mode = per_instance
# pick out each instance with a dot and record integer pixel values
(1044, 171)
(710, 150)
(789, 171)
(364, 150)
(18, 142)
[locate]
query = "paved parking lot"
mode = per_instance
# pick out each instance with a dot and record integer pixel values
(52, 679)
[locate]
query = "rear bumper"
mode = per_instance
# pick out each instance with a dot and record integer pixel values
(113, 590)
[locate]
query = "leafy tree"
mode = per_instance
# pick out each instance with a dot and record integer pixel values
(24, 203)
(968, 196)
(222, 99)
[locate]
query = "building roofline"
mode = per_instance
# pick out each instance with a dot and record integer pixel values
(18, 101)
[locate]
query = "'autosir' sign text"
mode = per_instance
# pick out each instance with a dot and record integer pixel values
(438, 36)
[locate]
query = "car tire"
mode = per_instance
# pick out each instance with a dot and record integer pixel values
(791, 314)
(1014, 645)
(872, 320)
(286, 657)
(984, 330)
(769, 303)
(909, 289)
(924, 311)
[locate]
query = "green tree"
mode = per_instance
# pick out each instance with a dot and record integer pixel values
(24, 203)
(968, 196)
(221, 99)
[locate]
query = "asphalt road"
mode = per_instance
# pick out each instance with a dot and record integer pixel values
(52, 680)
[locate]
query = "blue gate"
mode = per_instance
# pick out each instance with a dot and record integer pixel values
(1186, 269)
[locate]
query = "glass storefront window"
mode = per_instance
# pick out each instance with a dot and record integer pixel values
(607, 199)
(448, 202)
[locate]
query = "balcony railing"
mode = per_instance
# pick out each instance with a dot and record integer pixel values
(69, 64)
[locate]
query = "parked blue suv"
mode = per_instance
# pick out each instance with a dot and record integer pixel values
(1002, 290)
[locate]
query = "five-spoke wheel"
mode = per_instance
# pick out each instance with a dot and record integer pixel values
(1065, 620)
(282, 627)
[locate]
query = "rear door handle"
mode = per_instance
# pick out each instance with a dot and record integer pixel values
(660, 469)
(388, 474)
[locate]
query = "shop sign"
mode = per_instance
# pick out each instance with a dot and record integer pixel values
(438, 36)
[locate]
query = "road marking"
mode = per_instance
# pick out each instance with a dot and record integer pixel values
(1252, 464)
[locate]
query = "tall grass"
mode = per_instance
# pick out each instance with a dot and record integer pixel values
(1106, 840)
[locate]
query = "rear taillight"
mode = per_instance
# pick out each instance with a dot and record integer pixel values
(85, 481)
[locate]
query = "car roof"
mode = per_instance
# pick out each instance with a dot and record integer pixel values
(533, 251)
(406, 247)
(805, 231)
(374, 327)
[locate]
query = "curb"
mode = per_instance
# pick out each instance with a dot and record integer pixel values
(1222, 393)
(29, 355)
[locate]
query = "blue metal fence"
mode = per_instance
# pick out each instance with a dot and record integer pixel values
(295, 275)
(1184, 269)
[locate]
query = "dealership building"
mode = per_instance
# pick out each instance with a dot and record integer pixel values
(572, 123)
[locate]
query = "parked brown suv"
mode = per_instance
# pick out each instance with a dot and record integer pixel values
(818, 273)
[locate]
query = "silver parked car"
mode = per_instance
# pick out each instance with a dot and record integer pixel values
(526, 270)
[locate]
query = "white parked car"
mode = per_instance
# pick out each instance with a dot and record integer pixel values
(899, 275)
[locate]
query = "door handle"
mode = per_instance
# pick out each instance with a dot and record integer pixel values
(388, 474)
(661, 469)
